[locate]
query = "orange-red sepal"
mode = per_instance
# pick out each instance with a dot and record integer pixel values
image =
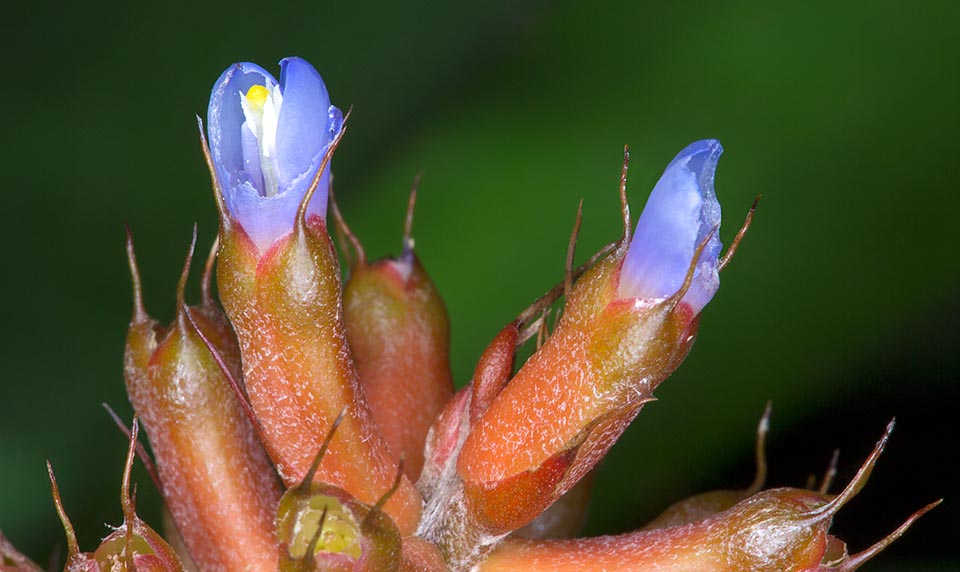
(285, 307)
(581, 389)
(399, 335)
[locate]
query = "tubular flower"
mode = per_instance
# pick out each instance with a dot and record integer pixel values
(627, 324)
(279, 280)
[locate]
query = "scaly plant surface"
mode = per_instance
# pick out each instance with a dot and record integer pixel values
(312, 424)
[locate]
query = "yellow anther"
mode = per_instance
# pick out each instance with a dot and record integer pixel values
(256, 96)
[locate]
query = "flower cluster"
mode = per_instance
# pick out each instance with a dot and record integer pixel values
(309, 422)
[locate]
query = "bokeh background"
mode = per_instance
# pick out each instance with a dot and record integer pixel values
(841, 305)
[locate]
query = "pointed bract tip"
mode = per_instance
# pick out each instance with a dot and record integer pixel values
(732, 249)
(624, 203)
(301, 219)
(141, 451)
(857, 560)
(763, 428)
(304, 485)
(830, 473)
(398, 478)
(206, 281)
(139, 310)
(553, 294)
(680, 294)
(408, 220)
(185, 272)
(72, 547)
(534, 328)
(126, 501)
(346, 233)
(221, 204)
(571, 252)
(859, 480)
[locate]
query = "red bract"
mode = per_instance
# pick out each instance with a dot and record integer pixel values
(216, 479)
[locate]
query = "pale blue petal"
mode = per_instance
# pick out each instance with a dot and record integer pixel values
(251, 157)
(681, 212)
(225, 120)
(302, 126)
(263, 218)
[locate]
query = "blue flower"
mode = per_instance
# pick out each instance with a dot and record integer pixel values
(267, 140)
(680, 214)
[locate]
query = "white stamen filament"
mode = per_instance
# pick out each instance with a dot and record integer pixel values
(261, 109)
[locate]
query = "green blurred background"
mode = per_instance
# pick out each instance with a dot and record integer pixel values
(840, 306)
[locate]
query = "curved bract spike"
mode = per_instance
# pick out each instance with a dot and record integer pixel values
(859, 559)
(345, 231)
(324, 164)
(761, 452)
(571, 252)
(304, 486)
(386, 496)
(207, 278)
(553, 294)
(72, 547)
(732, 249)
(141, 451)
(221, 204)
(139, 310)
(624, 204)
(126, 501)
(185, 273)
(829, 509)
(408, 220)
(830, 473)
(677, 296)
